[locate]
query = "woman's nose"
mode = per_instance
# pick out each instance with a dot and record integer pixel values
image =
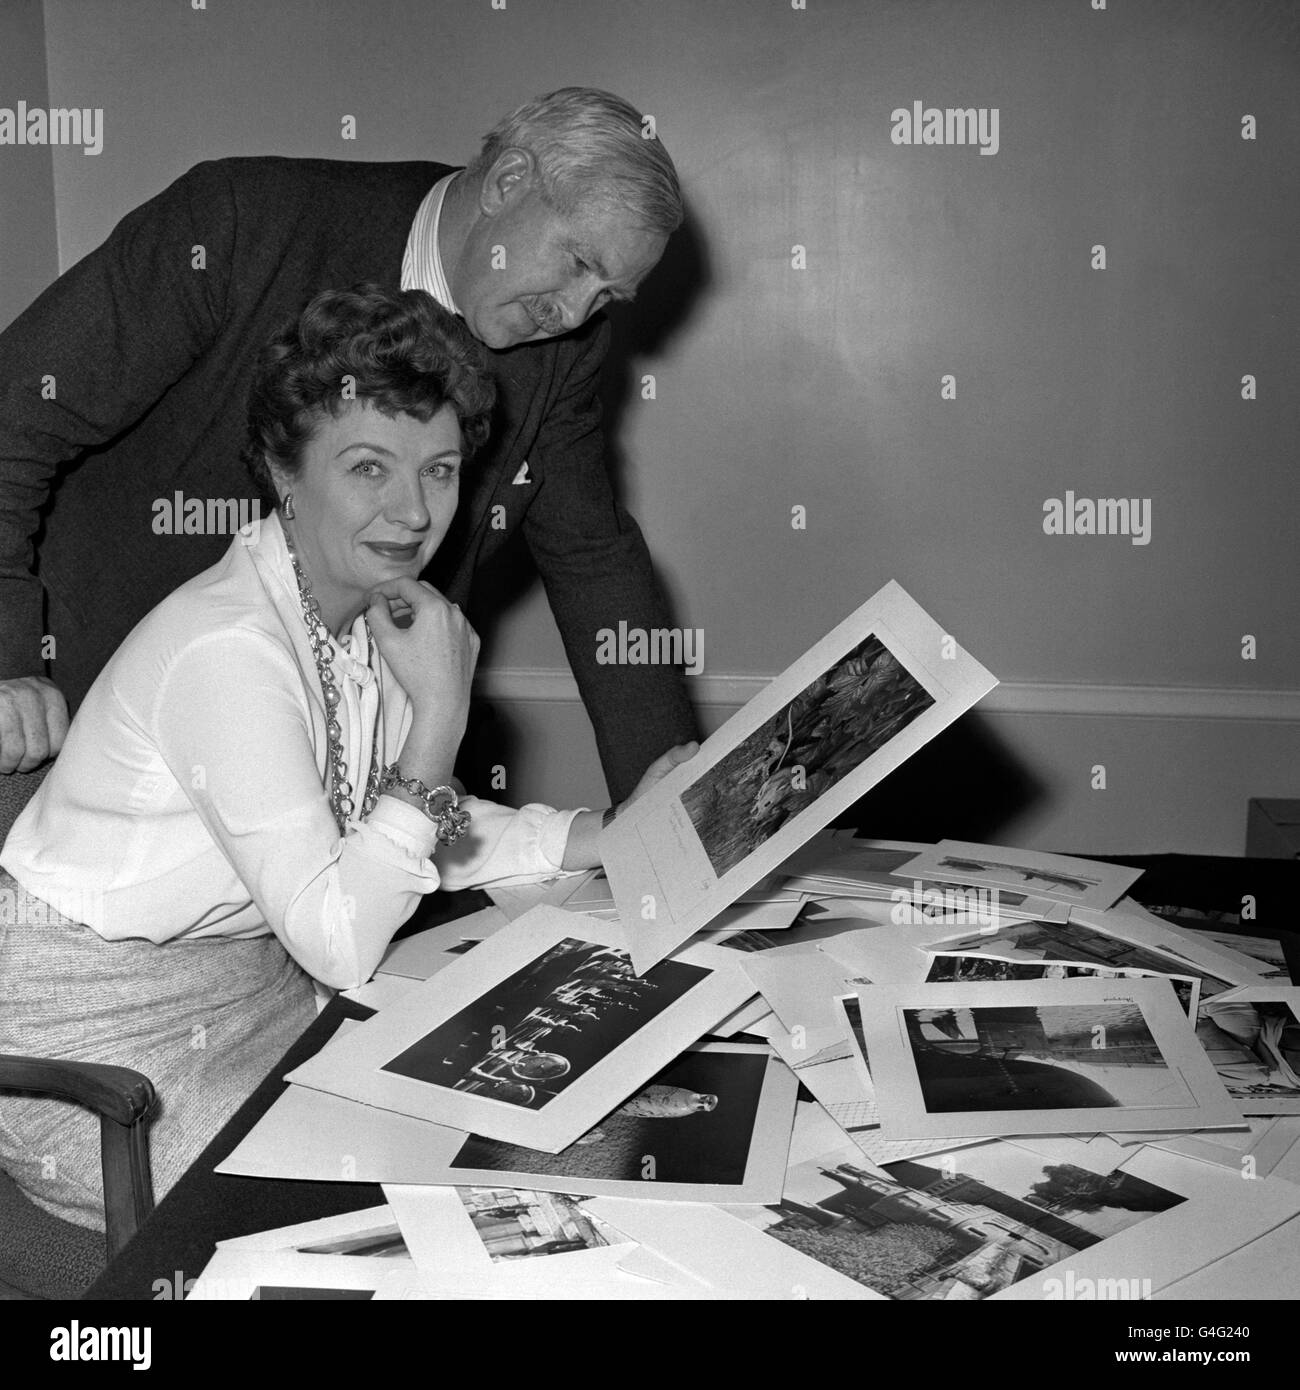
(407, 504)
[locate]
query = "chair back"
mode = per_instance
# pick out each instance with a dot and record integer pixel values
(16, 790)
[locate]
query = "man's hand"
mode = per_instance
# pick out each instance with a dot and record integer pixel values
(661, 767)
(33, 722)
(580, 848)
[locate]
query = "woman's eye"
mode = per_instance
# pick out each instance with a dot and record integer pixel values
(367, 468)
(442, 471)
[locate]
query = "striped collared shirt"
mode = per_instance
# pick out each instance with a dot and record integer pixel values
(422, 265)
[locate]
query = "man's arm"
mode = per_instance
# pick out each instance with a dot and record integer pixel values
(87, 360)
(598, 573)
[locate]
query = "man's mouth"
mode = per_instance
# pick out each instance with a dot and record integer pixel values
(547, 321)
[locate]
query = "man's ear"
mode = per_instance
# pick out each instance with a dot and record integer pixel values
(509, 178)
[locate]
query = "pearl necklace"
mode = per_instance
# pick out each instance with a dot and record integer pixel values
(319, 635)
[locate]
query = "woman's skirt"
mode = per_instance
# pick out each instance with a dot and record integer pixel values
(205, 1020)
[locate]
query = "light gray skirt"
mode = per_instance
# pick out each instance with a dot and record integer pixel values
(204, 1020)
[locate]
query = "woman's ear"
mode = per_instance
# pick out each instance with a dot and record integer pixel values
(280, 481)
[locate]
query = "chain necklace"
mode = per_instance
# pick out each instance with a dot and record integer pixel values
(319, 635)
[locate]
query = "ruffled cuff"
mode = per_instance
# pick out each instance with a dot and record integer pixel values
(553, 835)
(405, 825)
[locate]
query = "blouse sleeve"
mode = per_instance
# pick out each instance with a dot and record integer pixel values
(232, 726)
(504, 846)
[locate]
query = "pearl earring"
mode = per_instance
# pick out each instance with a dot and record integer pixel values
(287, 506)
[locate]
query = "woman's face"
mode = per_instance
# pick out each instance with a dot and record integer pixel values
(372, 501)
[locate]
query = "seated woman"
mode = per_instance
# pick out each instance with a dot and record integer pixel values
(256, 792)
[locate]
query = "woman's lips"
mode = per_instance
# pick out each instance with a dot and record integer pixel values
(395, 552)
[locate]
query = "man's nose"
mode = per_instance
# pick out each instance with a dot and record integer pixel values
(578, 303)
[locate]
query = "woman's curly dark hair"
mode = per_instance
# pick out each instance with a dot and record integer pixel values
(403, 353)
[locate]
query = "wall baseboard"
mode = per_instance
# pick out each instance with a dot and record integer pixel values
(547, 686)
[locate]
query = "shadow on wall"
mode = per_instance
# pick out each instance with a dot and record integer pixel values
(965, 784)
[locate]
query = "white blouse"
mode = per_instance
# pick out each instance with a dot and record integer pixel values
(189, 799)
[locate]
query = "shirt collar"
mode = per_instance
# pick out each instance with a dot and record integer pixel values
(270, 551)
(422, 267)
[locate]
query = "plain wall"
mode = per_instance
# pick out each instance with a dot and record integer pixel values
(28, 239)
(820, 388)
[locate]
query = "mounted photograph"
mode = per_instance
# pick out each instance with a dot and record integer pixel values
(534, 1035)
(712, 1126)
(958, 969)
(1078, 943)
(1040, 1057)
(849, 711)
(1252, 1037)
(1079, 882)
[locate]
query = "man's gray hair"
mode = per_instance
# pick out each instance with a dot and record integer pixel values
(591, 147)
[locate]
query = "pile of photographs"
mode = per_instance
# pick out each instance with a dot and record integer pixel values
(759, 1058)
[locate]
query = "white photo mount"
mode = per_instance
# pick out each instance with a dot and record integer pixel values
(1218, 1214)
(488, 1046)
(1060, 877)
(877, 688)
(368, 1234)
(933, 1046)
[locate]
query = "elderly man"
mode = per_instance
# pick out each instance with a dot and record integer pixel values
(134, 367)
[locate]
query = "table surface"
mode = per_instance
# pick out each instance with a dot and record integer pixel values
(179, 1238)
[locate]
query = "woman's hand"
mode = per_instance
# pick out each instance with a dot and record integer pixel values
(580, 849)
(433, 657)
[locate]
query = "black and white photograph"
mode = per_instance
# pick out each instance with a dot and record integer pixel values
(711, 1126)
(1049, 1057)
(879, 685)
(1253, 1039)
(744, 481)
(953, 969)
(240, 1274)
(838, 720)
(1225, 929)
(303, 1293)
(997, 1059)
(1062, 878)
(373, 1233)
(383, 1245)
(515, 1224)
(963, 1226)
(1074, 943)
(534, 1034)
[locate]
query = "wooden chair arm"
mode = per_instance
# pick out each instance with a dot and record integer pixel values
(115, 1093)
(123, 1099)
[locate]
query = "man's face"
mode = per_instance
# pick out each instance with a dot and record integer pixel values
(528, 272)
